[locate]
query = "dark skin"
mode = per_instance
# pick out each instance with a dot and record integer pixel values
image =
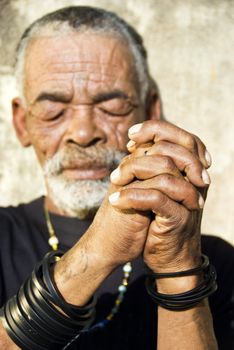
(74, 99)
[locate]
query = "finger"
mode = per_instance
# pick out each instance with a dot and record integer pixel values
(202, 152)
(156, 202)
(141, 149)
(176, 188)
(154, 131)
(132, 146)
(143, 168)
(184, 160)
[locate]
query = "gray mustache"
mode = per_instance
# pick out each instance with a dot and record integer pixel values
(83, 158)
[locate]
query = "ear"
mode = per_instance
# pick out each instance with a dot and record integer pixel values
(153, 106)
(19, 122)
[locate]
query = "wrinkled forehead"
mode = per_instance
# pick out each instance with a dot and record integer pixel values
(78, 54)
(85, 57)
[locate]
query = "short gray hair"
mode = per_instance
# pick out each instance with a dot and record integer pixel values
(84, 19)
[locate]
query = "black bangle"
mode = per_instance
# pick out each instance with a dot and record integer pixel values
(76, 312)
(190, 272)
(49, 313)
(34, 333)
(189, 299)
(37, 319)
(16, 329)
(39, 292)
(31, 317)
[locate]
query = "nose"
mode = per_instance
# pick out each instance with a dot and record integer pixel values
(83, 129)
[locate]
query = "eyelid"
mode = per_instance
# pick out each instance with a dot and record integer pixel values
(118, 99)
(121, 101)
(128, 111)
(57, 115)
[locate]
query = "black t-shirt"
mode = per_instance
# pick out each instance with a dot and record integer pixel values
(24, 241)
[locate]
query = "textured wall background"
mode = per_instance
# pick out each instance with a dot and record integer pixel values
(191, 50)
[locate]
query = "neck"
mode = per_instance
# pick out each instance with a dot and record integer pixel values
(52, 207)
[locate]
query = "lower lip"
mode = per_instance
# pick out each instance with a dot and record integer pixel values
(86, 174)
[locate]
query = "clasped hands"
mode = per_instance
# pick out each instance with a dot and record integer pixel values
(153, 208)
(164, 180)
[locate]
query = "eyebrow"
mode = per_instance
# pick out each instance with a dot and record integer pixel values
(54, 97)
(60, 97)
(106, 96)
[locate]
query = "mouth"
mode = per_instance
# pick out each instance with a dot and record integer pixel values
(86, 173)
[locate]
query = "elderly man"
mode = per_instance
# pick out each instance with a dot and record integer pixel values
(85, 88)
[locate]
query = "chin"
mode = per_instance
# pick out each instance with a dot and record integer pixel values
(77, 198)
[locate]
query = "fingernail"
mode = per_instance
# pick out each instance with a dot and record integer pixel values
(130, 144)
(208, 158)
(115, 174)
(206, 177)
(134, 129)
(114, 197)
(201, 201)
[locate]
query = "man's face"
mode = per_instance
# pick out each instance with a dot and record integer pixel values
(80, 90)
(82, 97)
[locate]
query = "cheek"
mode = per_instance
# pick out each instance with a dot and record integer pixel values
(45, 140)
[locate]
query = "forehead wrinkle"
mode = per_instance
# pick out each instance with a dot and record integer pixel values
(52, 47)
(108, 70)
(73, 83)
(92, 70)
(78, 66)
(70, 59)
(80, 76)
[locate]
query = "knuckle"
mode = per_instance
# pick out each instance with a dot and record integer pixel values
(137, 165)
(126, 159)
(168, 164)
(160, 199)
(125, 163)
(159, 146)
(167, 180)
(154, 127)
(190, 141)
(193, 166)
(139, 152)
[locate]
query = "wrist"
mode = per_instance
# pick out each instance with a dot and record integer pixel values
(80, 272)
(182, 290)
(178, 284)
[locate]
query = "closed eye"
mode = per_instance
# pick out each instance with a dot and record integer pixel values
(117, 107)
(57, 116)
(119, 113)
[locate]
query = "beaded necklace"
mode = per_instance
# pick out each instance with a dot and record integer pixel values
(122, 288)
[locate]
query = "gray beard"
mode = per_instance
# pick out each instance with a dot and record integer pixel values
(79, 198)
